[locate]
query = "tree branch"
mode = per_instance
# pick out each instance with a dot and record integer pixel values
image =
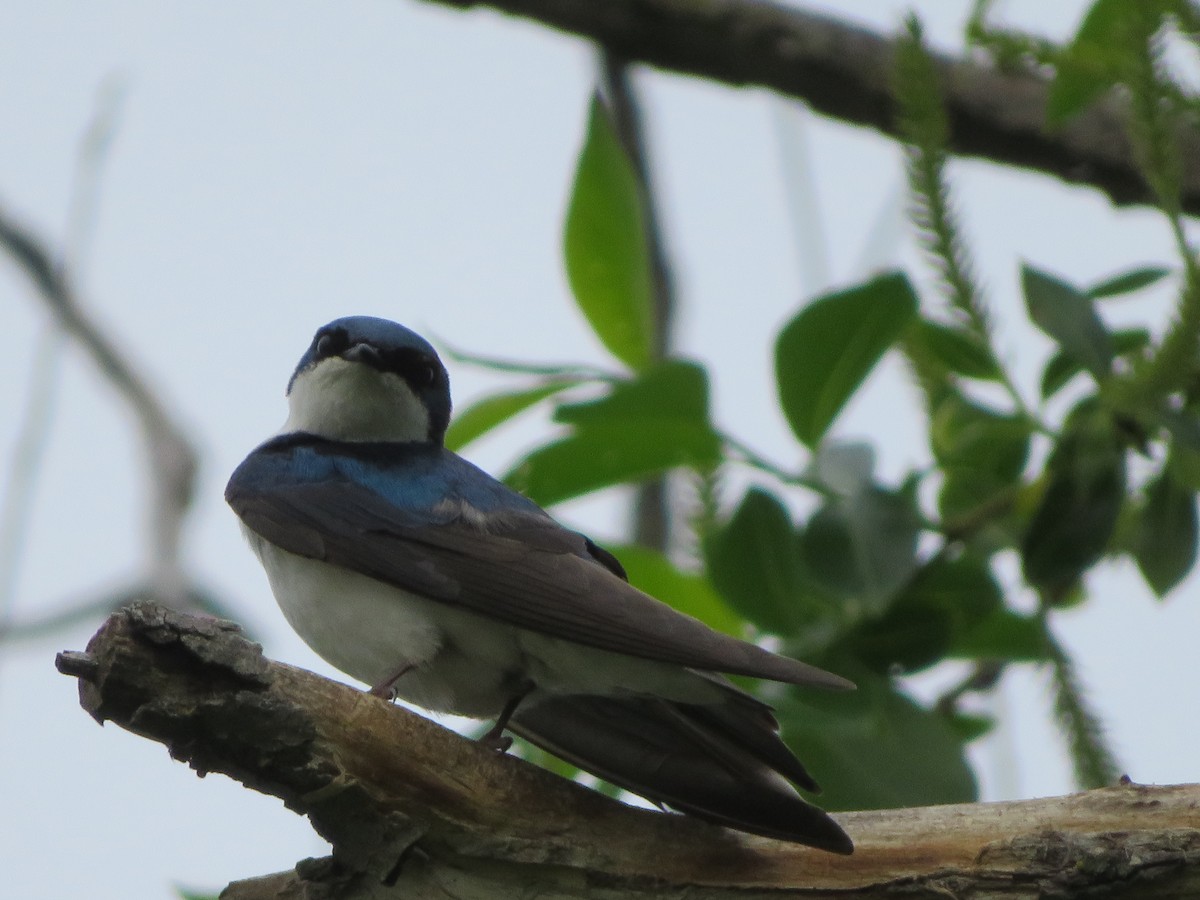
(845, 72)
(414, 810)
(173, 462)
(652, 504)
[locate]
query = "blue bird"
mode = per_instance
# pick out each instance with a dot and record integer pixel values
(410, 569)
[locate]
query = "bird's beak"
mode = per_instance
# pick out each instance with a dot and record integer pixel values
(363, 353)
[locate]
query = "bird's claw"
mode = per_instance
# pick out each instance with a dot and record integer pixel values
(498, 742)
(387, 688)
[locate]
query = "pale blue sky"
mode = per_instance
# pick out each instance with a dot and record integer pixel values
(280, 164)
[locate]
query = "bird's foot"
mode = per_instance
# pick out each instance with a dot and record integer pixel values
(387, 688)
(495, 735)
(494, 740)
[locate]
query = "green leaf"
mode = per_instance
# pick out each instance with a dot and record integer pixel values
(1068, 317)
(966, 435)
(1127, 282)
(1128, 341)
(754, 564)
(1093, 62)
(1184, 427)
(1078, 510)
(960, 351)
(693, 594)
(601, 456)
(1002, 634)
(826, 351)
(863, 547)
(974, 504)
(875, 748)
(1112, 34)
(970, 727)
(1078, 81)
(604, 245)
(646, 426)
(946, 599)
(1183, 459)
(1062, 367)
(1165, 544)
(673, 390)
(981, 453)
(484, 415)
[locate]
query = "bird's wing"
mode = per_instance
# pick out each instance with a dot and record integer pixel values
(716, 762)
(521, 569)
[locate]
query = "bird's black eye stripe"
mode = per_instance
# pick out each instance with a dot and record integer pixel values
(413, 366)
(419, 369)
(331, 343)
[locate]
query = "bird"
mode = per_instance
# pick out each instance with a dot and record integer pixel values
(413, 571)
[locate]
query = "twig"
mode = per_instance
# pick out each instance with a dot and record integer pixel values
(40, 406)
(25, 466)
(172, 460)
(651, 506)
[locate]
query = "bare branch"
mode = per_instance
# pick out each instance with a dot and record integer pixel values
(845, 72)
(414, 810)
(651, 505)
(173, 462)
(44, 377)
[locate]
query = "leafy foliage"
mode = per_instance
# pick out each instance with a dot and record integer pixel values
(877, 580)
(642, 427)
(876, 747)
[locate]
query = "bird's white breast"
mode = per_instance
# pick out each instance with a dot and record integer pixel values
(463, 664)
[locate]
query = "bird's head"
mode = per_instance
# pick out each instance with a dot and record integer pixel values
(368, 379)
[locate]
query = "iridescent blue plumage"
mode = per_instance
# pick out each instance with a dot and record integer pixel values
(416, 478)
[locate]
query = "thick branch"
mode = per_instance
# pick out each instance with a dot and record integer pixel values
(414, 810)
(845, 72)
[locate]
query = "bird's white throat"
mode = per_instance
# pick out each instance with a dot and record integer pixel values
(350, 401)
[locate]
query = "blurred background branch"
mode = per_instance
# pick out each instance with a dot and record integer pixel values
(844, 71)
(172, 460)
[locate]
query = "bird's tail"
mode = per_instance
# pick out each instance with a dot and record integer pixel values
(723, 763)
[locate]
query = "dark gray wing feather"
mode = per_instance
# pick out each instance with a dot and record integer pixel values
(713, 762)
(523, 569)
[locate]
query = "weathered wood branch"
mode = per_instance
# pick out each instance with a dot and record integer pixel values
(845, 72)
(414, 810)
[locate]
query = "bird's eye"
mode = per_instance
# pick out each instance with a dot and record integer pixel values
(425, 375)
(331, 343)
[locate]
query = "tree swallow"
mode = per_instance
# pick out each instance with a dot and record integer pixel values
(410, 569)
